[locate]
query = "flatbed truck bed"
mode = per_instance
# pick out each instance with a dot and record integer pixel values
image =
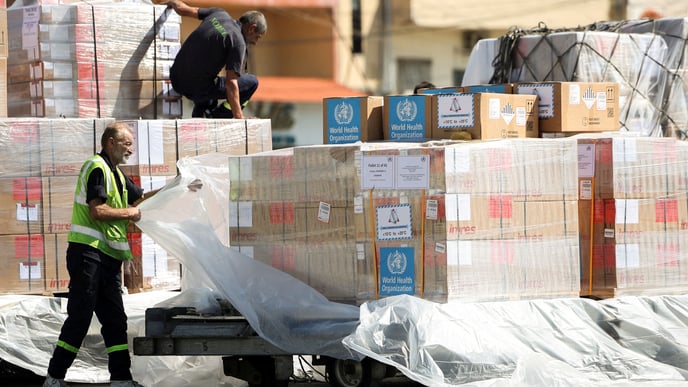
(181, 331)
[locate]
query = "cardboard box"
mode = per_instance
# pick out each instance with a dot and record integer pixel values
(484, 115)
(21, 154)
(85, 71)
(91, 89)
(252, 222)
(263, 177)
(441, 90)
(575, 106)
(500, 270)
(58, 201)
(56, 273)
(23, 261)
(477, 217)
(326, 173)
(504, 88)
(67, 144)
(407, 118)
(200, 136)
(156, 147)
(635, 218)
(20, 205)
(73, 108)
(324, 224)
(352, 119)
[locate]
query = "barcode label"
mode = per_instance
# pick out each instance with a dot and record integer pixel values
(431, 209)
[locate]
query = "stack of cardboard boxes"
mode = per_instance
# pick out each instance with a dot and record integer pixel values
(37, 181)
(450, 221)
(480, 112)
(633, 215)
(92, 60)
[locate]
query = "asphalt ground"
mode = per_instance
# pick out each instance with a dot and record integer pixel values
(13, 376)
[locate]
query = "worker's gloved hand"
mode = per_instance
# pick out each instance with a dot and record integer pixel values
(195, 185)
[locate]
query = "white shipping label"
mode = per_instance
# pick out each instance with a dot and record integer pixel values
(493, 108)
(521, 116)
(459, 253)
(413, 172)
(462, 160)
(324, 212)
(457, 207)
(624, 150)
(155, 142)
(393, 222)
(63, 70)
(360, 251)
(431, 209)
(586, 160)
(29, 270)
(455, 111)
(627, 256)
(27, 212)
(601, 101)
(627, 211)
(358, 204)
(585, 190)
(30, 25)
(241, 214)
(149, 183)
(574, 94)
(377, 172)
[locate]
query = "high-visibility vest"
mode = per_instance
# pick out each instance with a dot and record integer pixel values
(110, 237)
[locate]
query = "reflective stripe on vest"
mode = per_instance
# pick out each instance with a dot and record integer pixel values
(98, 235)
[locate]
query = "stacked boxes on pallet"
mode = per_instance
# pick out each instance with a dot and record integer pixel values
(447, 221)
(92, 60)
(37, 181)
(634, 212)
(42, 159)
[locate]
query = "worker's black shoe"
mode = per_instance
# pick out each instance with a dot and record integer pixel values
(222, 111)
(203, 109)
(125, 383)
(52, 382)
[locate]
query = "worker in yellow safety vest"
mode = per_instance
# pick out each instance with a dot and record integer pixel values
(98, 245)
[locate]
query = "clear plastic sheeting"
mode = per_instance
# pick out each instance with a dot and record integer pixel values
(564, 342)
(281, 309)
(30, 325)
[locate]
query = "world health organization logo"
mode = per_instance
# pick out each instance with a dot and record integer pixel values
(343, 113)
(407, 110)
(396, 262)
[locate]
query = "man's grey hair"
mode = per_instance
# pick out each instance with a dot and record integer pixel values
(257, 18)
(115, 130)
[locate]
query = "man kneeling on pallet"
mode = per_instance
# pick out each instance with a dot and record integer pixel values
(219, 41)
